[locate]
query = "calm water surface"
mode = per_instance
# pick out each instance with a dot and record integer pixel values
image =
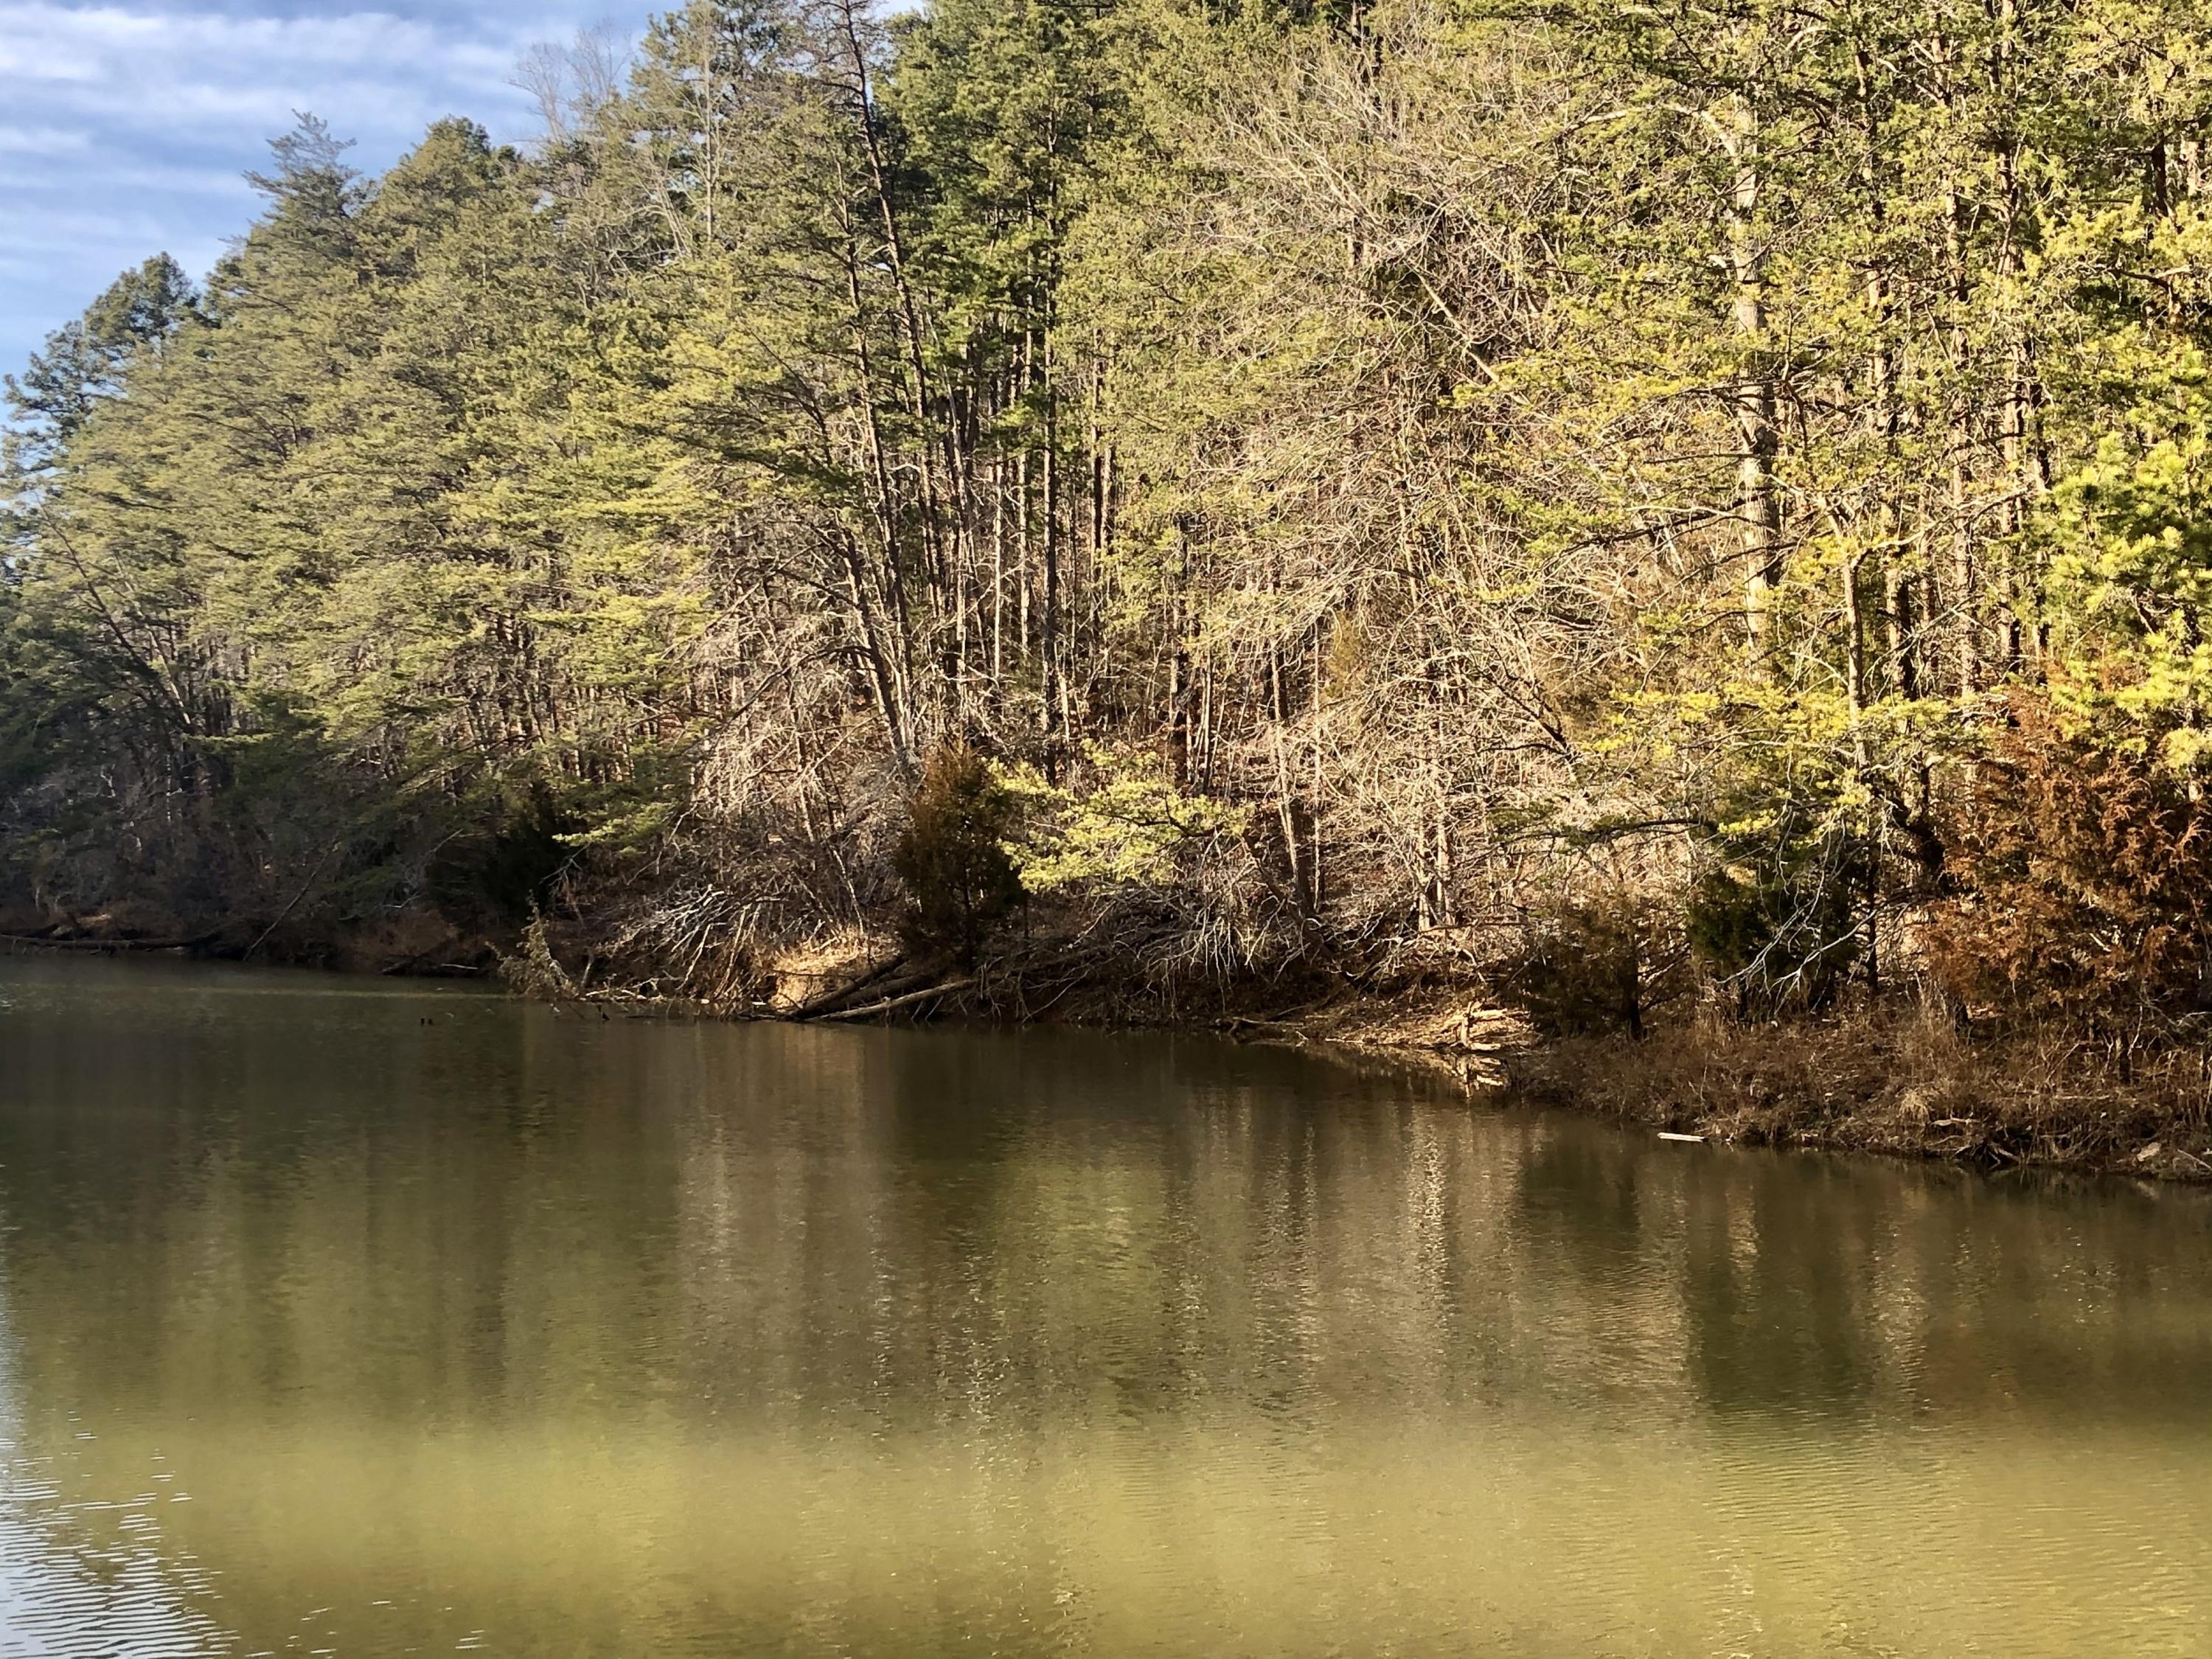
(342, 1318)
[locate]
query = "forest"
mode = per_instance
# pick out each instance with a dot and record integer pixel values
(1685, 514)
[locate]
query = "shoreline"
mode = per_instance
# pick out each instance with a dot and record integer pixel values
(1894, 1084)
(1889, 1080)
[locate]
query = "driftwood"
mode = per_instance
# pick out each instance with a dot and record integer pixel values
(891, 1003)
(38, 944)
(818, 1007)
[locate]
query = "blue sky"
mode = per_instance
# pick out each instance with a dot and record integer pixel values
(125, 126)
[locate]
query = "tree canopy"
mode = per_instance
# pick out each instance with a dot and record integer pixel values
(1407, 479)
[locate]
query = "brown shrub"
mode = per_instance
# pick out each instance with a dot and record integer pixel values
(2084, 873)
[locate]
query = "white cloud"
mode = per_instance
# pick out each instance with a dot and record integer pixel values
(76, 44)
(127, 125)
(41, 141)
(97, 68)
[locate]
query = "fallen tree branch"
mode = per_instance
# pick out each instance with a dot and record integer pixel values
(893, 1003)
(818, 1007)
(38, 944)
(313, 876)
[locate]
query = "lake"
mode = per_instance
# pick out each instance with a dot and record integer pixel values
(347, 1317)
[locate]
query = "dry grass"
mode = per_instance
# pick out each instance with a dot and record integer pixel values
(803, 972)
(1902, 1082)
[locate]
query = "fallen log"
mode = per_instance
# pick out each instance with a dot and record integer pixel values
(892, 1004)
(815, 1007)
(39, 944)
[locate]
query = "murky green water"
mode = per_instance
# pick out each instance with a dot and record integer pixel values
(342, 1318)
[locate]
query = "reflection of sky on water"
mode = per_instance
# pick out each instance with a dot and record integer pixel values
(71, 1571)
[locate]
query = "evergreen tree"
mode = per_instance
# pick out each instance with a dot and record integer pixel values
(1433, 479)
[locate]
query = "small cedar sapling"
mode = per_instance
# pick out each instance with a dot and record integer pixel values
(952, 855)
